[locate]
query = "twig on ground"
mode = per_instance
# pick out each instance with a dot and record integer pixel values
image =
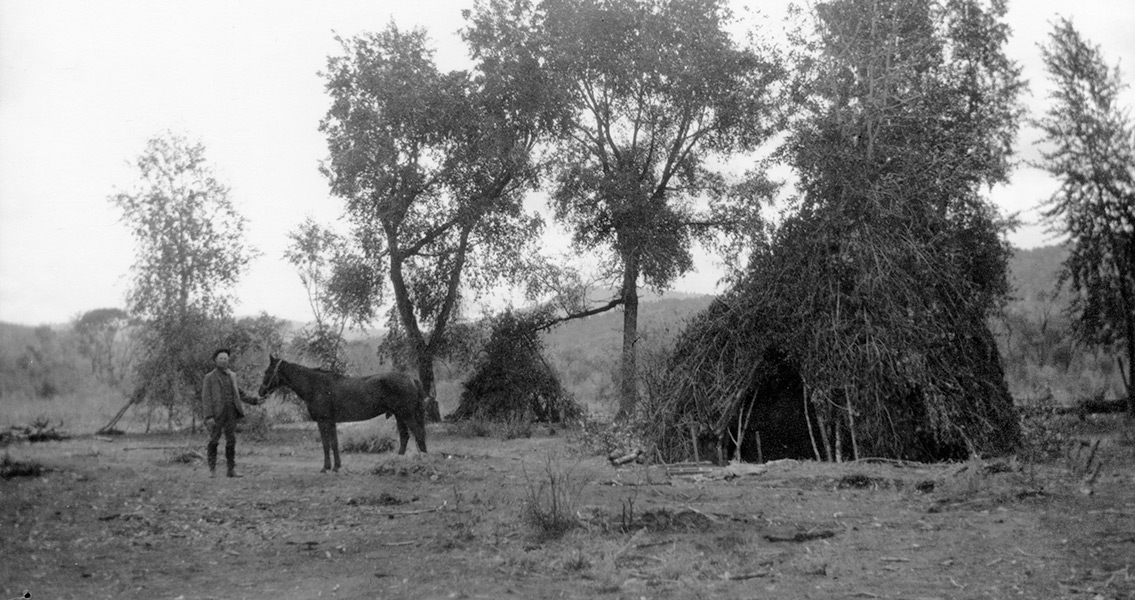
(403, 513)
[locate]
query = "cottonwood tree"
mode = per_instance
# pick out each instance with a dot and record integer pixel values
(190, 251)
(658, 98)
(433, 167)
(1089, 147)
(340, 291)
(106, 339)
(102, 334)
(907, 110)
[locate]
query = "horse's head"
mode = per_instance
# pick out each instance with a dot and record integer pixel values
(272, 379)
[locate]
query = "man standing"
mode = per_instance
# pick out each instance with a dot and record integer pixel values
(220, 399)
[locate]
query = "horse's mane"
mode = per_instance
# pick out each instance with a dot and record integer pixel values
(319, 370)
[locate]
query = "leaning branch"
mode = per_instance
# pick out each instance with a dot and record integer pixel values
(579, 315)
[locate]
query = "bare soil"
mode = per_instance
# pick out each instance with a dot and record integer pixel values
(140, 517)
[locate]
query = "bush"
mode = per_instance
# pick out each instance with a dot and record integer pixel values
(550, 506)
(256, 423)
(473, 428)
(372, 444)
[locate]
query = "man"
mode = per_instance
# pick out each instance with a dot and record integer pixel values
(220, 400)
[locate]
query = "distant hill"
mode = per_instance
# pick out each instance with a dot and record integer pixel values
(1035, 271)
(657, 318)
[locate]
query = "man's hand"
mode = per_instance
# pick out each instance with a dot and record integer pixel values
(209, 421)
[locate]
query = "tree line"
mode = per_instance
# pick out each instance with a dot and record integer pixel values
(633, 117)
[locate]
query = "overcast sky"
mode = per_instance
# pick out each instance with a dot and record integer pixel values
(84, 83)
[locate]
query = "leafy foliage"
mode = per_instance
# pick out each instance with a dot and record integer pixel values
(1090, 149)
(105, 339)
(190, 252)
(875, 293)
(656, 95)
(341, 290)
(38, 362)
(433, 166)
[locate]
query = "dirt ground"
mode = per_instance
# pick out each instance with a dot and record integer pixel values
(139, 517)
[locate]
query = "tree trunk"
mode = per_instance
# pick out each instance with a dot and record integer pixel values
(110, 426)
(628, 384)
(1130, 383)
(426, 376)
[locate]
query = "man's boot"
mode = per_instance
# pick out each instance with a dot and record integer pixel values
(230, 459)
(212, 459)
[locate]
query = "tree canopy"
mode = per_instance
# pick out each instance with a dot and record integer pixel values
(657, 96)
(1089, 147)
(432, 166)
(341, 291)
(874, 292)
(190, 251)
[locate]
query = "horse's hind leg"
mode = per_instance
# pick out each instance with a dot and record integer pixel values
(403, 435)
(326, 431)
(419, 429)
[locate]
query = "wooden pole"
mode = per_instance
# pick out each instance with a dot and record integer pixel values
(808, 422)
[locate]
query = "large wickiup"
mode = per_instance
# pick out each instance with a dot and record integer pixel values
(821, 353)
(332, 398)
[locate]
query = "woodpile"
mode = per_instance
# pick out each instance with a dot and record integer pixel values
(40, 430)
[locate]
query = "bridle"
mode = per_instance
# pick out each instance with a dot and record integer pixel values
(273, 382)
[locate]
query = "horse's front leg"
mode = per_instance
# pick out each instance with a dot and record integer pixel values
(335, 445)
(326, 433)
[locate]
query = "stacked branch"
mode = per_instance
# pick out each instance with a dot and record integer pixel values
(860, 330)
(864, 341)
(513, 380)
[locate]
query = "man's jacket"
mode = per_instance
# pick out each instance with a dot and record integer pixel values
(220, 388)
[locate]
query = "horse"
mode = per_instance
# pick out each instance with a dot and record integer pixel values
(332, 398)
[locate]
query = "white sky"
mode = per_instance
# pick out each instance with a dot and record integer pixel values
(84, 83)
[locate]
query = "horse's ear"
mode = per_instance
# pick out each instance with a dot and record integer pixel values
(272, 359)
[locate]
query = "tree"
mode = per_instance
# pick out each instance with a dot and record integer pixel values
(659, 97)
(104, 338)
(189, 253)
(339, 290)
(433, 167)
(1090, 149)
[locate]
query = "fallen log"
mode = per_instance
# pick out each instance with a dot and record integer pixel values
(622, 460)
(1093, 407)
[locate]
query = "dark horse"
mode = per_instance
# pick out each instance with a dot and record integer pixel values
(333, 398)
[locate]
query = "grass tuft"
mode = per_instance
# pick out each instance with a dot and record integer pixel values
(10, 468)
(552, 498)
(376, 443)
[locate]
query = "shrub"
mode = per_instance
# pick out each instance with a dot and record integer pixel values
(10, 468)
(552, 498)
(473, 428)
(372, 444)
(256, 423)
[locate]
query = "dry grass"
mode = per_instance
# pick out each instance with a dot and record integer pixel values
(553, 497)
(79, 413)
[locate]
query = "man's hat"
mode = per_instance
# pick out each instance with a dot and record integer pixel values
(220, 350)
